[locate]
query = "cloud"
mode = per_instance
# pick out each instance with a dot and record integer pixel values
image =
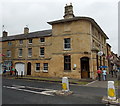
(36, 14)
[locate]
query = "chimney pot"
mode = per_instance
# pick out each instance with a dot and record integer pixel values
(5, 33)
(26, 30)
(68, 11)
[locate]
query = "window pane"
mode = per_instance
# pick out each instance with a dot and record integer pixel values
(67, 43)
(67, 62)
(42, 51)
(21, 41)
(20, 52)
(9, 43)
(37, 66)
(45, 66)
(42, 39)
(30, 40)
(8, 53)
(67, 40)
(29, 51)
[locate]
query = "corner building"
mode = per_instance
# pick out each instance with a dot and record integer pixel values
(70, 49)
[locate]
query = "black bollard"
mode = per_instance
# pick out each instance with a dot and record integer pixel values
(21, 73)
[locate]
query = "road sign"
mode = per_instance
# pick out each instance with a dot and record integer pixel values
(103, 67)
(100, 53)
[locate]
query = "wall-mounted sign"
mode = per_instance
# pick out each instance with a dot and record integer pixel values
(100, 53)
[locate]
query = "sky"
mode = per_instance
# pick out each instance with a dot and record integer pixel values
(16, 14)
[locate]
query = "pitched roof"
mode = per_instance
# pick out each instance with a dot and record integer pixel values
(44, 33)
(79, 18)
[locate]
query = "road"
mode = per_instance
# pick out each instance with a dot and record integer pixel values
(17, 91)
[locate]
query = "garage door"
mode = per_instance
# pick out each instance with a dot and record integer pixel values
(20, 67)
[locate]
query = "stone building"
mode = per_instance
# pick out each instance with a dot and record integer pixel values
(69, 49)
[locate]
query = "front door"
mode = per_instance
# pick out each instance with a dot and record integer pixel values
(85, 67)
(29, 68)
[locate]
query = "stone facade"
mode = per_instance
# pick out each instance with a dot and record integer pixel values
(85, 38)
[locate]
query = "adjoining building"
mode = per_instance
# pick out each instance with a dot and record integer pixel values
(69, 49)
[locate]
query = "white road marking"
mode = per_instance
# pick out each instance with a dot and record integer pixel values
(46, 92)
(90, 83)
(19, 86)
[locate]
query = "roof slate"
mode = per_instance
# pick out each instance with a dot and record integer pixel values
(44, 33)
(79, 18)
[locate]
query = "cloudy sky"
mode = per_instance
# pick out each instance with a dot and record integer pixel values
(16, 14)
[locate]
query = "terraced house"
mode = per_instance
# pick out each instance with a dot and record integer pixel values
(69, 49)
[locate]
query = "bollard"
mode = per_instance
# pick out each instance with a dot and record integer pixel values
(21, 73)
(111, 90)
(65, 84)
(17, 74)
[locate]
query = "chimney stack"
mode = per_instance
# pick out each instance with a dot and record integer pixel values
(68, 11)
(5, 34)
(26, 30)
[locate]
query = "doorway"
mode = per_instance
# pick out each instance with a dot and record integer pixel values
(85, 73)
(28, 68)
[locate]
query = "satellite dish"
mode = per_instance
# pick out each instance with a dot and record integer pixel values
(100, 53)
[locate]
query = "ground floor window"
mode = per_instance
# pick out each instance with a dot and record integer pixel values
(45, 66)
(37, 66)
(67, 62)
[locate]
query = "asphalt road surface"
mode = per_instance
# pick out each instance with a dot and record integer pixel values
(17, 91)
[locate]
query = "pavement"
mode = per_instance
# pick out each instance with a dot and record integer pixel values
(86, 82)
(102, 84)
(51, 79)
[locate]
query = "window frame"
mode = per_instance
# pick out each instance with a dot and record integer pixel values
(67, 43)
(9, 43)
(37, 67)
(8, 53)
(19, 53)
(67, 62)
(41, 40)
(29, 52)
(42, 54)
(30, 40)
(20, 42)
(45, 70)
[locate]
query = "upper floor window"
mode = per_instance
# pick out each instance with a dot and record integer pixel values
(20, 52)
(29, 52)
(8, 53)
(30, 41)
(20, 42)
(9, 43)
(67, 44)
(37, 66)
(67, 62)
(42, 50)
(42, 40)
